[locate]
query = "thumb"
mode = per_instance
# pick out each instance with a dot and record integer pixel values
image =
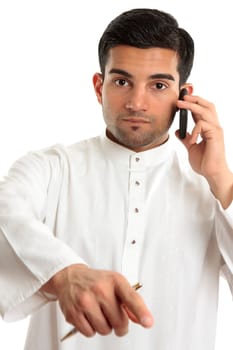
(137, 310)
(131, 315)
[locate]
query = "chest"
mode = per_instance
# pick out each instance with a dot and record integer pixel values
(122, 217)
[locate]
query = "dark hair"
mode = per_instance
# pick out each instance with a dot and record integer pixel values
(146, 28)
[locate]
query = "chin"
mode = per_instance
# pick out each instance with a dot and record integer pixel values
(135, 138)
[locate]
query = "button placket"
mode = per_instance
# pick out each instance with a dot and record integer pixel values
(135, 228)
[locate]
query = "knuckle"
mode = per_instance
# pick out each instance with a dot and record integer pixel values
(84, 301)
(212, 106)
(99, 289)
(119, 277)
(120, 282)
(105, 331)
(69, 318)
(120, 332)
(84, 331)
(84, 328)
(88, 333)
(69, 315)
(121, 322)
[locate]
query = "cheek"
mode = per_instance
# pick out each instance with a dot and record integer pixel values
(107, 109)
(111, 103)
(173, 109)
(170, 108)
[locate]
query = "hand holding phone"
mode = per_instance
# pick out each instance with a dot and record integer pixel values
(183, 115)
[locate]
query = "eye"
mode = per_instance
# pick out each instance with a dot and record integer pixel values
(160, 86)
(121, 82)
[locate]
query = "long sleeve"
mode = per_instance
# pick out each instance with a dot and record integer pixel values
(30, 254)
(224, 232)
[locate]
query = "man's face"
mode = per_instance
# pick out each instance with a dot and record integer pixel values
(138, 95)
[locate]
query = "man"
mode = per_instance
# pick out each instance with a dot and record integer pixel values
(80, 225)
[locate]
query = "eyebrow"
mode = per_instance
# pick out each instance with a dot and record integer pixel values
(153, 76)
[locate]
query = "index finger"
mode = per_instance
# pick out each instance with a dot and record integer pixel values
(201, 109)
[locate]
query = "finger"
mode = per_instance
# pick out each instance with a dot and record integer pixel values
(201, 109)
(82, 324)
(130, 315)
(202, 129)
(207, 132)
(88, 306)
(186, 141)
(199, 101)
(135, 304)
(98, 320)
(117, 316)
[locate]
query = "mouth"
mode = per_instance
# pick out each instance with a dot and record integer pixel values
(136, 120)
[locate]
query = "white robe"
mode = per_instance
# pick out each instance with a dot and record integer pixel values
(146, 215)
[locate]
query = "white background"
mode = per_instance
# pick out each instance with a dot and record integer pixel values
(48, 54)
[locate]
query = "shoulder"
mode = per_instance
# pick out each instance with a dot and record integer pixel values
(60, 152)
(54, 158)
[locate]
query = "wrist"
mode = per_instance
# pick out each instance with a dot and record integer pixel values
(221, 186)
(55, 284)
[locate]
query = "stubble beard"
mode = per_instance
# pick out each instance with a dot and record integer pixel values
(137, 138)
(134, 137)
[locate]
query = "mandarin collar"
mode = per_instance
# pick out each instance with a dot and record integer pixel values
(119, 153)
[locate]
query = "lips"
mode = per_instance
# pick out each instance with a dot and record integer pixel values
(136, 120)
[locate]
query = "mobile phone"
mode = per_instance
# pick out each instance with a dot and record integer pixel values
(183, 116)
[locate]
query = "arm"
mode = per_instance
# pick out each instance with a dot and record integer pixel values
(35, 262)
(207, 157)
(27, 258)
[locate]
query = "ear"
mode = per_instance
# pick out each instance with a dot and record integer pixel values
(188, 87)
(98, 84)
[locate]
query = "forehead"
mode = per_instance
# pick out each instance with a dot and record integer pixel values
(142, 61)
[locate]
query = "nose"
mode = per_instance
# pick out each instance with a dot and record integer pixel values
(136, 100)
